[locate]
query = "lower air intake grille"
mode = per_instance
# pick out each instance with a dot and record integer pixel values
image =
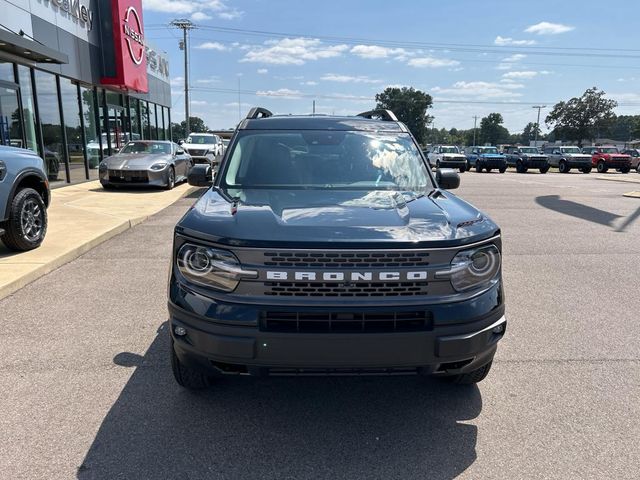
(333, 322)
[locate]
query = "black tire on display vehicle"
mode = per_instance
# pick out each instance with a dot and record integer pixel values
(27, 224)
(463, 169)
(472, 377)
(489, 170)
(625, 170)
(544, 169)
(478, 167)
(638, 168)
(469, 166)
(586, 169)
(563, 167)
(519, 167)
(437, 163)
(602, 167)
(502, 170)
(187, 377)
(171, 179)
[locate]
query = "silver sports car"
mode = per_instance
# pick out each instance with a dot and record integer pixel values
(146, 162)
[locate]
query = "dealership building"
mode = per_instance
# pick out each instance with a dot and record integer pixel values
(77, 80)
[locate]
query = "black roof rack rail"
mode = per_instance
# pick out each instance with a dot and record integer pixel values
(386, 115)
(258, 112)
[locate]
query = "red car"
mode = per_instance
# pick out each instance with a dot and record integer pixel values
(605, 157)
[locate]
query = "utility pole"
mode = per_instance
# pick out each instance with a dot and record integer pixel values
(475, 120)
(314, 107)
(185, 25)
(539, 107)
(239, 100)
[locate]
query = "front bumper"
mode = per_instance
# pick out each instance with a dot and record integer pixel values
(154, 178)
(535, 163)
(231, 338)
(458, 163)
(574, 163)
(493, 162)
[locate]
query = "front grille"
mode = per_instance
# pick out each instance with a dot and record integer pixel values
(197, 153)
(620, 160)
(337, 372)
(335, 322)
(319, 260)
(128, 176)
(334, 289)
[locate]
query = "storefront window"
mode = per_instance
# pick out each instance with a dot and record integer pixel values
(88, 100)
(28, 110)
(6, 72)
(135, 119)
(153, 121)
(144, 113)
(165, 115)
(71, 114)
(51, 126)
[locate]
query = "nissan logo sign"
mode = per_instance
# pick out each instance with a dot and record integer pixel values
(133, 35)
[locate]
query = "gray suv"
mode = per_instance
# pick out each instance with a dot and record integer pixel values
(567, 157)
(24, 198)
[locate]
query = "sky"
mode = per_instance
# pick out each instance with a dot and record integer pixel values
(473, 57)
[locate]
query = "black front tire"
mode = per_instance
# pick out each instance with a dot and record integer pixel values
(602, 167)
(586, 170)
(187, 377)
(472, 377)
(463, 169)
(625, 170)
(27, 224)
(171, 179)
(478, 168)
(489, 170)
(544, 169)
(563, 167)
(519, 167)
(502, 170)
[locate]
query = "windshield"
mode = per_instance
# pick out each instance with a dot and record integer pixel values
(609, 150)
(488, 150)
(201, 139)
(449, 150)
(570, 150)
(528, 149)
(326, 160)
(146, 147)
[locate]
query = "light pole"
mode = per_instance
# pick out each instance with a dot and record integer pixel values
(185, 25)
(475, 120)
(539, 107)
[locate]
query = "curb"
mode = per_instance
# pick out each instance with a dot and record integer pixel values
(24, 280)
(632, 194)
(619, 179)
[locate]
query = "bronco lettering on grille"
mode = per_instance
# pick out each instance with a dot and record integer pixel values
(350, 276)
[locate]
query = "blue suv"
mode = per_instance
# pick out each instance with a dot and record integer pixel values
(486, 158)
(24, 198)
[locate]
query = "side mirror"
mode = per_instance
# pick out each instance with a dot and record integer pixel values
(200, 176)
(447, 178)
(179, 151)
(180, 142)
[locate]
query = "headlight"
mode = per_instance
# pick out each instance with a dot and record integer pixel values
(158, 166)
(102, 166)
(473, 268)
(211, 267)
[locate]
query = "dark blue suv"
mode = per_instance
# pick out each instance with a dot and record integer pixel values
(327, 246)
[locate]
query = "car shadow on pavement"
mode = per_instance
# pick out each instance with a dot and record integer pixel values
(328, 427)
(578, 210)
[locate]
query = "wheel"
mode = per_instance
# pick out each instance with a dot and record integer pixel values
(502, 170)
(519, 167)
(463, 169)
(602, 168)
(586, 170)
(489, 170)
(563, 167)
(475, 376)
(27, 224)
(625, 170)
(468, 167)
(187, 377)
(171, 179)
(544, 169)
(478, 167)
(437, 163)
(638, 168)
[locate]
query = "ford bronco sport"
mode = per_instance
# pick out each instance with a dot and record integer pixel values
(524, 158)
(24, 198)
(327, 247)
(606, 157)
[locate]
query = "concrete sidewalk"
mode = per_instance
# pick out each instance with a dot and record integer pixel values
(81, 217)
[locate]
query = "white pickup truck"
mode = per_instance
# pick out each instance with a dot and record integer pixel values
(447, 156)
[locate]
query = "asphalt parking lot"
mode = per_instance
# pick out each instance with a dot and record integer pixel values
(87, 390)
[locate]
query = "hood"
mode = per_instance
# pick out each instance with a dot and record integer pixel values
(577, 155)
(198, 146)
(135, 161)
(314, 217)
(453, 155)
(492, 155)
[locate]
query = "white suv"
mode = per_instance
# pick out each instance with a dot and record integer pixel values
(447, 156)
(204, 148)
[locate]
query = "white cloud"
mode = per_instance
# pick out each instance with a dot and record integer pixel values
(479, 90)
(432, 62)
(281, 92)
(310, 83)
(548, 28)
(209, 80)
(504, 41)
(177, 81)
(212, 46)
(198, 9)
(333, 77)
(200, 16)
(262, 71)
(292, 51)
(507, 63)
(376, 51)
(524, 74)
(198, 103)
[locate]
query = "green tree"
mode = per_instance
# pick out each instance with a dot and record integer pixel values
(492, 131)
(410, 106)
(582, 117)
(529, 133)
(196, 125)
